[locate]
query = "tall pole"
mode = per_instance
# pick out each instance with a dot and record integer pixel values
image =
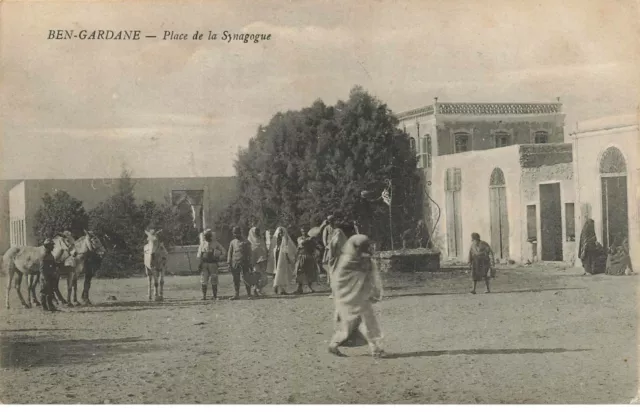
(391, 214)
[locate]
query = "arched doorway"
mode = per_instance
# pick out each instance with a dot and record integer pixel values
(615, 213)
(499, 214)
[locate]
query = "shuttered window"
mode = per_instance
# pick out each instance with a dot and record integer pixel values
(532, 223)
(570, 221)
(453, 180)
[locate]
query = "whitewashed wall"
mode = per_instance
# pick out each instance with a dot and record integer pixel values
(588, 146)
(476, 168)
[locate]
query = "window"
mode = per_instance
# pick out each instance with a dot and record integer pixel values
(412, 144)
(424, 151)
(570, 221)
(453, 180)
(17, 233)
(612, 161)
(502, 139)
(541, 137)
(497, 178)
(532, 224)
(461, 141)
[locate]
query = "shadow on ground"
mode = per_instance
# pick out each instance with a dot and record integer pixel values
(521, 351)
(535, 290)
(27, 351)
(38, 330)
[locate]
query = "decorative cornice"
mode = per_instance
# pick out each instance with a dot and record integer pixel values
(499, 108)
(482, 109)
(421, 111)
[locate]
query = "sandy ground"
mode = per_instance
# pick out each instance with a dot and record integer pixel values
(546, 335)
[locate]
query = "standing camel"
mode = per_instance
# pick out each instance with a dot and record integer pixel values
(87, 248)
(25, 260)
(155, 262)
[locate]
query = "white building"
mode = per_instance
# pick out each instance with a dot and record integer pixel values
(607, 179)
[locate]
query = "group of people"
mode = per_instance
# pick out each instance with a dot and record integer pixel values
(253, 259)
(595, 259)
(354, 280)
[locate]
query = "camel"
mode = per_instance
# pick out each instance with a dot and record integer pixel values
(155, 262)
(87, 248)
(25, 260)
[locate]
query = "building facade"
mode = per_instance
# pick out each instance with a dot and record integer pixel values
(501, 170)
(606, 155)
(203, 197)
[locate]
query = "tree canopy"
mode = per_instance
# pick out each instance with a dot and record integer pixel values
(123, 221)
(58, 213)
(313, 162)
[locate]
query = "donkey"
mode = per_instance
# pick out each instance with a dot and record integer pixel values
(155, 262)
(87, 248)
(25, 260)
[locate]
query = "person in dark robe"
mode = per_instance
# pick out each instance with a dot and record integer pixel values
(587, 250)
(306, 268)
(481, 261)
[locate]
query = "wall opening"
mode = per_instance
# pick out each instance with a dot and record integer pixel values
(551, 222)
(502, 139)
(615, 212)
(532, 224)
(499, 214)
(190, 209)
(541, 137)
(453, 207)
(570, 222)
(17, 232)
(462, 142)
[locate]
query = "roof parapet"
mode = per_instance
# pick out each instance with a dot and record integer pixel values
(482, 109)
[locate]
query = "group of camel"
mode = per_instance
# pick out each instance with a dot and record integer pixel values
(75, 258)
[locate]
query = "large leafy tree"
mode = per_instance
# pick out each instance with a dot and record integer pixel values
(58, 213)
(306, 164)
(119, 219)
(122, 222)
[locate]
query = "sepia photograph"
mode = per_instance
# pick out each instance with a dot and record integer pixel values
(320, 202)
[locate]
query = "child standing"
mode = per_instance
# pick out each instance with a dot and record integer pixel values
(210, 252)
(239, 260)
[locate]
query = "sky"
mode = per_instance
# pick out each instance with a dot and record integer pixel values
(173, 108)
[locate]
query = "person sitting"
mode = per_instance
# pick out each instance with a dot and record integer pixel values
(618, 260)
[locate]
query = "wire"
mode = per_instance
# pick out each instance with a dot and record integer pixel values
(433, 230)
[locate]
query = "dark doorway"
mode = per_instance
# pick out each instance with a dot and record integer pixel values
(615, 224)
(615, 213)
(551, 222)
